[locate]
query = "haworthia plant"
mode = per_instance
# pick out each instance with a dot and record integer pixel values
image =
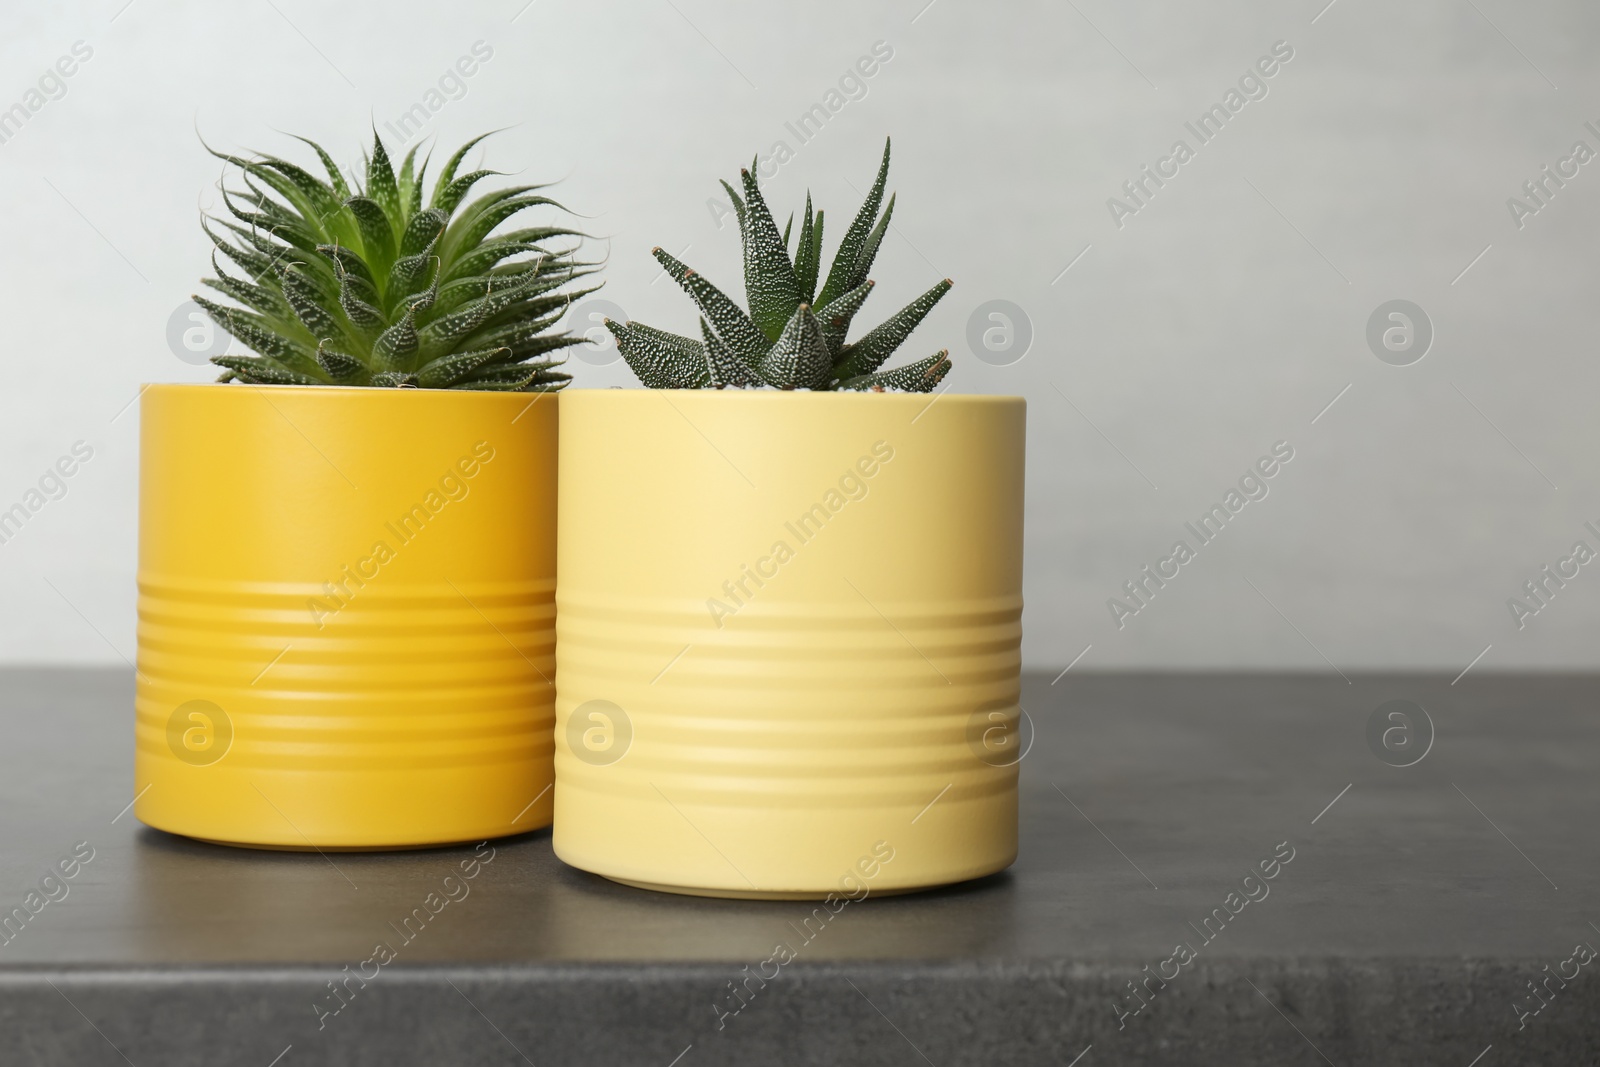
(367, 284)
(791, 336)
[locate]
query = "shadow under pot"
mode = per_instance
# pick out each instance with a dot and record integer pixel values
(788, 639)
(346, 615)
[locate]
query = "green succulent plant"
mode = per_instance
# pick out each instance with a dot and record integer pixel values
(792, 337)
(368, 286)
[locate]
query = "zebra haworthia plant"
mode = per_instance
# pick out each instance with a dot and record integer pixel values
(792, 337)
(369, 286)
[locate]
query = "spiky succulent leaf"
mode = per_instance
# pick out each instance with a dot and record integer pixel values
(423, 231)
(448, 370)
(358, 284)
(738, 206)
(661, 360)
(255, 331)
(364, 319)
(381, 184)
(306, 300)
(396, 347)
(257, 298)
(410, 182)
(448, 174)
(835, 318)
(799, 359)
(486, 256)
(842, 272)
(724, 368)
(769, 280)
(341, 367)
(408, 277)
(444, 332)
(731, 323)
(451, 195)
(345, 259)
(260, 370)
(923, 376)
(807, 253)
(869, 353)
(336, 179)
(377, 236)
(483, 215)
(869, 248)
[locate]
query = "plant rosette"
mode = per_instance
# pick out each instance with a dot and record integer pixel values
(347, 556)
(788, 627)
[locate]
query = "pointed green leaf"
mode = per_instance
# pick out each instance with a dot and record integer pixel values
(922, 376)
(407, 277)
(725, 368)
(451, 196)
(317, 193)
(303, 202)
(306, 299)
(253, 263)
(448, 174)
(661, 360)
(528, 347)
(347, 262)
(727, 318)
(869, 353)
(835, 318)
(409, 184)
(255, 297)
(363, 316)
(442, 334)
(394, 380)
(799, 359)
(738, 206)
(805, 254)
(769, 281)
(258, 370)
(342, 367)
(492, 251)
(453, 295)
(844, 260)
(421, 302)
(256, 332)
(377, 236)
(471, 227)
(336, 179)
(869, 249)
(395, 347)
(381, 185)
(422, 231)
(447, 370)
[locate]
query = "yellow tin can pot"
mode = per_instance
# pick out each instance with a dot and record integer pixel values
(346, 614)
(789, 634)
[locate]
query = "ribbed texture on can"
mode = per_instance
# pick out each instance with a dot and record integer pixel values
(418, 676)
(817, 706)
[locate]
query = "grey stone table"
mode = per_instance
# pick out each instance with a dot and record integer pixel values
(1420, 908)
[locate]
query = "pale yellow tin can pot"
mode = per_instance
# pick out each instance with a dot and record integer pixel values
(346, 614)
(788, 639)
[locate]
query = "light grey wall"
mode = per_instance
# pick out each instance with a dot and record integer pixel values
(1168, 353)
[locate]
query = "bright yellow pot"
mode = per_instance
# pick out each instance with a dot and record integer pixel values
(346, 614)
(788, 639)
